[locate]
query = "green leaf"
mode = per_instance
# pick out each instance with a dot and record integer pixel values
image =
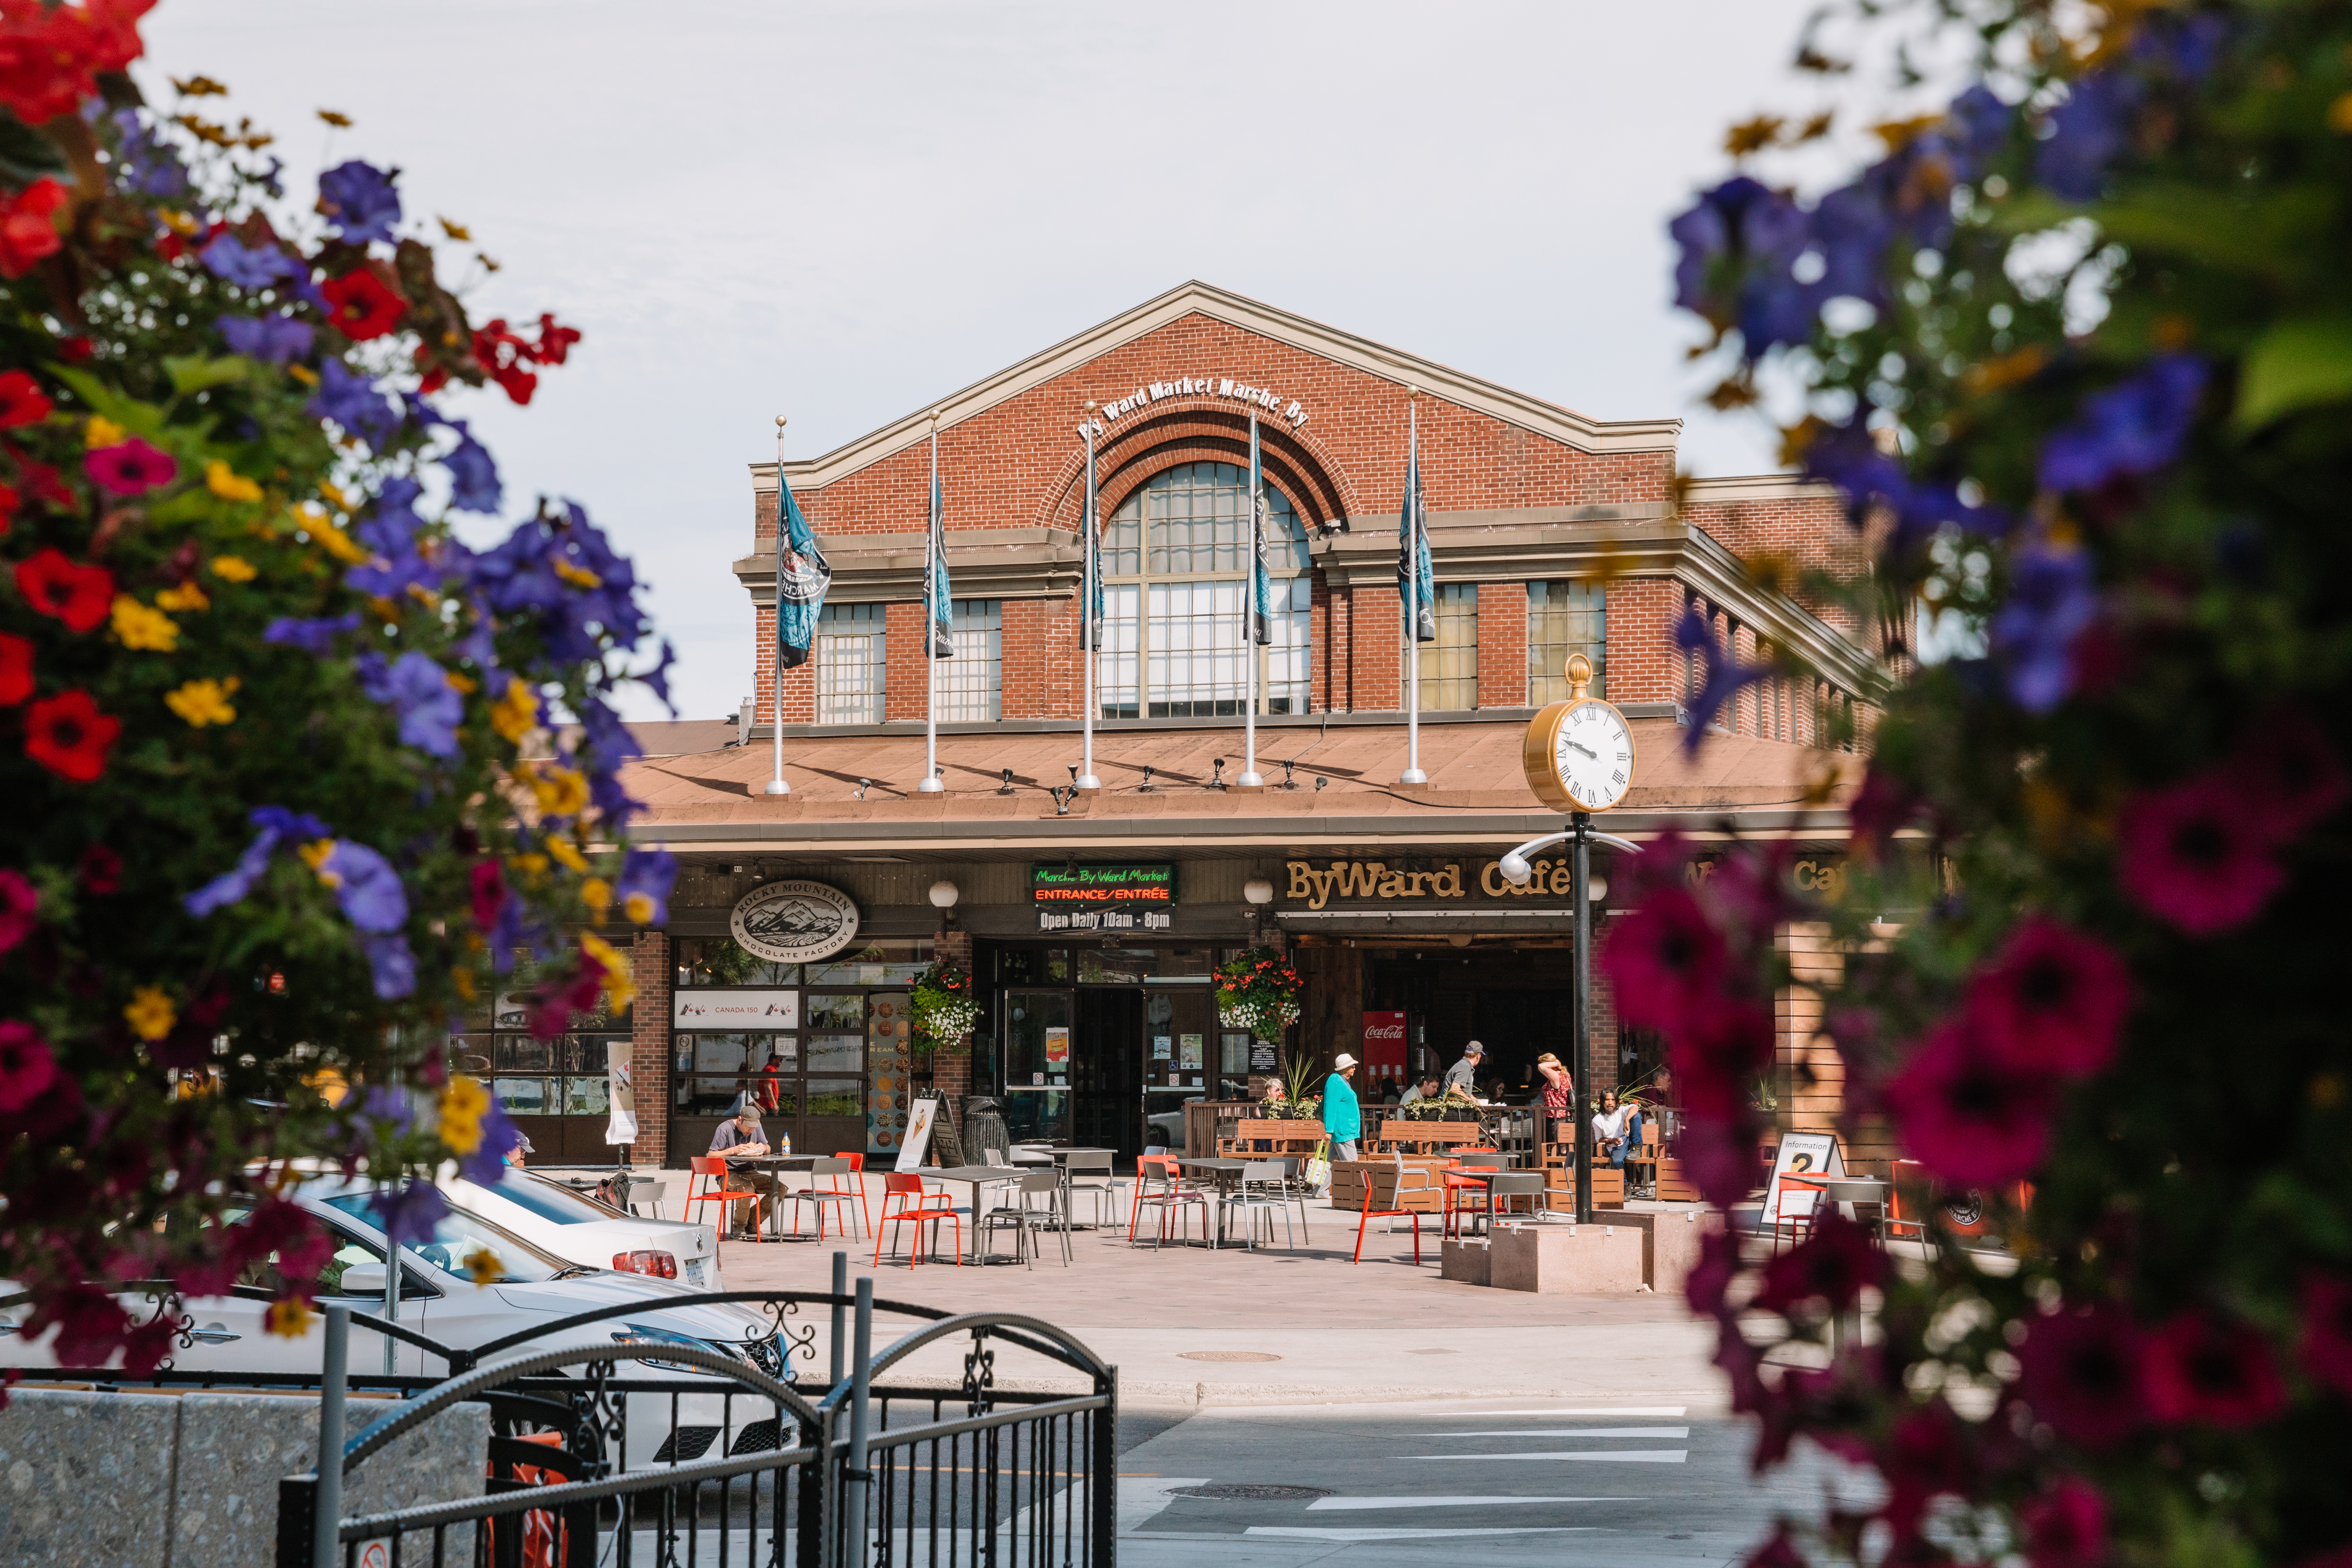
(139, 418)
(24, 154)
(194, 372)
(2295, 364)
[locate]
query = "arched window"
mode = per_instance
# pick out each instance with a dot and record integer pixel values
(1176, 562)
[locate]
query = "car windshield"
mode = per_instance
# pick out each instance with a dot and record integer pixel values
(549, 1200)
(459, 1239)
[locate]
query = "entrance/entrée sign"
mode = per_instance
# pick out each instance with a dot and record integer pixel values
(1809, 1155)
(736, 1009)
(794, 922)
(1384, 1043)
(1103, 897)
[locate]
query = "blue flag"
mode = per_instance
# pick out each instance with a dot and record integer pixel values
(942, 603)
(1090, 587)
(1414, 569)
(1261, 622)
(802, 574)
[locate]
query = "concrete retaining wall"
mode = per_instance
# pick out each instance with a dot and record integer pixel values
(189, 1479)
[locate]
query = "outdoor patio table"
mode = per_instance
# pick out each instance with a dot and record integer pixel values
(775, 1165)
(1226, 1169)
(975, 1177)
(1868, 1190)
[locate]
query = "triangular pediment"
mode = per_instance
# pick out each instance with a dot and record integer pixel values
(1564, 425)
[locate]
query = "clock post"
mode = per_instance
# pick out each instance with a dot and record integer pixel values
(1581, 1037)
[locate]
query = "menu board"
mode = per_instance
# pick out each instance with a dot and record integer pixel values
(889, 1063)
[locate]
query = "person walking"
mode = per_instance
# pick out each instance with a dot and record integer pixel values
(1341, 1119)
(1463, 1075)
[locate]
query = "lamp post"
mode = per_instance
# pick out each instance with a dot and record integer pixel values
(1517, 870)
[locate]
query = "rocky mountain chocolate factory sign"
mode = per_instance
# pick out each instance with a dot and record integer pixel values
(794, 922)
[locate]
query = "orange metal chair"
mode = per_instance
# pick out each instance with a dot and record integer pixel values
(913, 1204)
(1396, 1196)
(1457, 1188)
(1169, 1192)
(713, 1167)
(1782, 1219)
(857, 1177)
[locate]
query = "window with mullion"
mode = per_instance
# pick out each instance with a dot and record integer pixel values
(1565, 618)
(970, 683)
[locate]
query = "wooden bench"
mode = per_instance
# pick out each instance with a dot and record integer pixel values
(1285, 1138)
(1411, 1137)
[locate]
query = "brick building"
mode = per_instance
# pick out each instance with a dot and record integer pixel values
(1551, 533)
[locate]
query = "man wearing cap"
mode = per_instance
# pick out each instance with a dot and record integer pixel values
(741, 1136)
(1463, 1075)
(1341, 1119)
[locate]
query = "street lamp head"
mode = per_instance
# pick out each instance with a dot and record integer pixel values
(1596, 887)
(1516, 869)
(944, 895)
(1258, 890)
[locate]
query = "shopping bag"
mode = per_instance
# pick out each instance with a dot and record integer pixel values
(1318, 1167)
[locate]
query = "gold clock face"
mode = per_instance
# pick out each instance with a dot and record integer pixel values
(1578, 755)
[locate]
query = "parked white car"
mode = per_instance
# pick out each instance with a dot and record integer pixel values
(573, 1225)
(527, 1286)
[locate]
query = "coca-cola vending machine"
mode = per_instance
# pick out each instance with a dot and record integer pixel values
(1383, 1049)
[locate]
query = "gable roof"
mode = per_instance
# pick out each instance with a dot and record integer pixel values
(1549, 419)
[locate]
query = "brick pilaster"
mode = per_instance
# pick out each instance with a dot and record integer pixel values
(649, 1058)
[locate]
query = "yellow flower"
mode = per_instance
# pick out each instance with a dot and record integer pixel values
(517, 714)
(559, 791)
(463, 979)
(203, 702)
(234, 569)
(484, 1266)
(289, 1316)
(136, 625)
(339, 544)
(186, 596)
(638, 907)
(531, 865)
(104, 432)
(342, 502)
(150, 1013)
(618, 986)
(2339, 115)
(568, 858)
(578, 576)
(303, 373)
(597, 894)
(463, 1105)
(314, 855)
(464, 683)
(228, 484)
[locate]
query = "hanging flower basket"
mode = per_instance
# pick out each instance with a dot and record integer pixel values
(945, 1012)
(1258, 992)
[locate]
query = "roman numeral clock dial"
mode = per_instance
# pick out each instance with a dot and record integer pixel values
(1579, 754)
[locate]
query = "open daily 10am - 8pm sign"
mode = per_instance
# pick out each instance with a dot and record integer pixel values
(1103, 897)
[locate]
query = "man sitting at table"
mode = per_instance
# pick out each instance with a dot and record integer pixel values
(738, 1138)
(1425, 1090)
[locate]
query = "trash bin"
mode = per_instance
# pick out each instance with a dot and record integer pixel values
(983, 1129)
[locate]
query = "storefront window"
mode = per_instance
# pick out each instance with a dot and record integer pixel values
(1449, 666)
(849, 664)
(1176, 562)
(972, 683)
(1113, 965)
(718, 960)
(1564, 619)
(874, 963)
(837, 1012)
(1032, 965)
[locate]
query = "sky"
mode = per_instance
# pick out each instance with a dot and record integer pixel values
(840, 213)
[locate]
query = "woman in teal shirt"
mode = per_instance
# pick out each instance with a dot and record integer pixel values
(1341, 1119)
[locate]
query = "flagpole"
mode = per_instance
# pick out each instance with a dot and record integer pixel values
(1412, 774)
(931, 609)
(776, 784)
(1089, 571)
(1250, 778)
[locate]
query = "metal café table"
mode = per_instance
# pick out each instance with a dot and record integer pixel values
(1226, 1169)
(976, 1177)
(775, 1165)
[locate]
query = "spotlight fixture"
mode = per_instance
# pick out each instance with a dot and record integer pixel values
(1061, 795)
(1217, 780)
(1319, 782)
(1288, 781)
(1145, 787)
(862, 785)
(1006, 787)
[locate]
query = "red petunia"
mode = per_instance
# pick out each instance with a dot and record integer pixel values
(130, 469)
(2192, 855)
(2083, 1373)
(22, 401)
(2327, 1329)
(7, 508)
(1832, 1265)
(2067, 1529)
(362, 305)
(1717, 1053)
(51, 55)
(2053, 998)
(2199, 1369)
(68, 735)
(29, 227)
(20, 909)
(1926, 1456)
(100, 869)
(25, 1067)
(2296, 778)
(54, 585)
(1666, 960)
(78, 349)
(15, 669)
(489, 891)
(41, 482)
(1967, 1115)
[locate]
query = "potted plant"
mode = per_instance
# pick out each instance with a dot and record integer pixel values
(1292, 1101)
(1258, 992)
(945, 1012)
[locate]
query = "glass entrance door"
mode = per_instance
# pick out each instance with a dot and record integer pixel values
(1106, 1071)
(1037, 1048)
(1181, 1058)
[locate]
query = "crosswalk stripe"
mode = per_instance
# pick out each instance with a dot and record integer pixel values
(1356, 1504)
(1309, 1533)
(1621, 1456)
(1497, 1415)
(1569, 1432)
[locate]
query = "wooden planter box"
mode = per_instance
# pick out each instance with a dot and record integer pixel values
(1351, 1177)
(1673, 1185)
(1250, 1137)
(1397, 1132)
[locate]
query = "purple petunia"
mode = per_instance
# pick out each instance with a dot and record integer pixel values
(408, 1213)
(391, 965)
(148, 166)
(275, 339)
(474, 484)
(353, 403)
(274, 826)
(2132, 427)
(359, 200)
(366, 887)
(649, 873)
(501, 1137)
(2052, 599)
(314, 635)
(418, 690)
(1848, 455)
(247, 267)
(2087, 133)
(1725, 674)
(385, 1103)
